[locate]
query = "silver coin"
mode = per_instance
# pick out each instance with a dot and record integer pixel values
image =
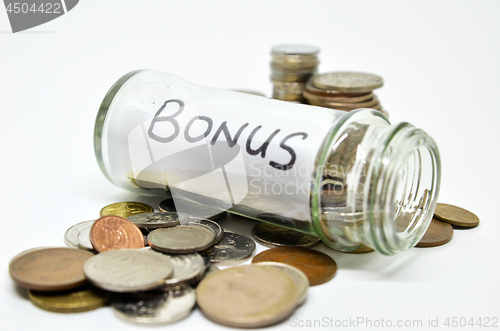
(271, 235)
(191, 208)
(182, 239)
(155, 220)
(155, 307)
(128, 270)
(71, 235)
(219, 231)
(348, 81)
(84, 240)
(188, 269)
(234, 247)
(296, 274)
(293, 49)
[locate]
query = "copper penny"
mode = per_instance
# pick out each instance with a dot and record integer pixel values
(455, 215)
(438, 233)
(50, 269)
(115, 232)
(318, 267)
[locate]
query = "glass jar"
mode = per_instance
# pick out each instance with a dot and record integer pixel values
(350, 178)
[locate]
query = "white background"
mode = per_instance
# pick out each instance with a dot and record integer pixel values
(441, 64)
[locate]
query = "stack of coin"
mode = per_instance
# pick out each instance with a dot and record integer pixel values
(344, 90)
(291, 67)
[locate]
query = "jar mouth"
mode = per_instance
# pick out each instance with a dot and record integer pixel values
(404, 185)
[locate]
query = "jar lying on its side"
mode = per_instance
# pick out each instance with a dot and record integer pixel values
(349, 178)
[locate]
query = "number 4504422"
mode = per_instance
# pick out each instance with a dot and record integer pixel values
(47, 8)
(485, 322)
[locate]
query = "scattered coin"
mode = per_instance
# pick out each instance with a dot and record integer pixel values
(219, 231)
(188, 269)
(155, 220)
(456, 216)
(28, 251)
(233, 247)
(318, 267)
(438, 233)
(182, 239)
(248, 296)
(50, 269)
(125, 209)
(297, 275)
(128, 270)
(348, 82)
(73, 301)
(271, 235)
(84, 239)
(155, 307)
(71, 235)
(115, 232)
(191, 208)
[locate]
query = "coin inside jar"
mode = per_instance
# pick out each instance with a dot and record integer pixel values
(50, 269)
(191, 208)
(248, 296)
(182, 239)
(271, 235)
(114, 232)
(128, 270)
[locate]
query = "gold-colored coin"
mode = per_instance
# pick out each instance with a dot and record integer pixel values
(75, 301)
(363, 249)
(456, 216)
(126, 209)
(249, 296)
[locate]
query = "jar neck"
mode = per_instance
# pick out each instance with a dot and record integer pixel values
(402, 188)
(386, 191)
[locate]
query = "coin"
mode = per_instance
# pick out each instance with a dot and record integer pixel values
(438, 233)
(73, 301)
(233, 247)
(297, 275)
(219, 231)
(28, 251)
(294, 49)
(318, 267)
(348, 82)
(71, 235)
(456, 216)
(248, 296)
(128, 270)
(363, 249)
(155, 307)
(193, 209)
(338, 99)
(50, 269)
(311, 89)
(182, 239)
(115, 232)
(188, 269)
(84, 239)
(271, 235)
(155, 220)
(125, 209)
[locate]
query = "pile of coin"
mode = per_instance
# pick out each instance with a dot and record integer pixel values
(291, 67)
(108, 261)
(344, 90)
